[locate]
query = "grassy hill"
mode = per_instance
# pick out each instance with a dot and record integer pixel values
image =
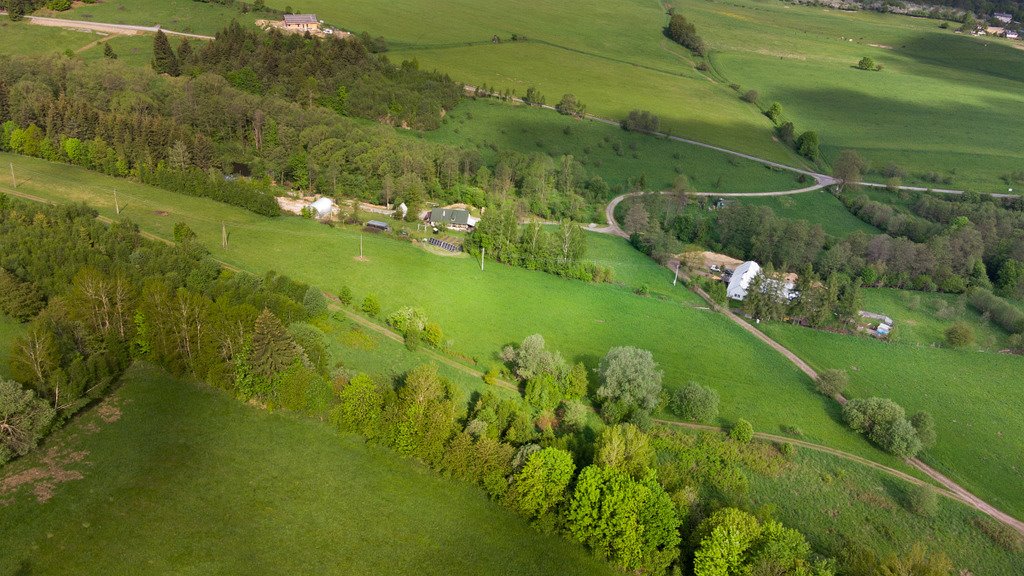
(483, 311)
(170, 477)
(819, 207)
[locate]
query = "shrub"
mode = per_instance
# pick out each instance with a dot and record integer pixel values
(751, 96)
(1006, 315)
(345, 296)
(925, 426)
(959, 335)
(923, 501)
(832, 382)
(371, 305)
(314, 302)
(695, 403)
(641, 121)
(412, 339)
(407, 319)
(885, 423)
(433, 334)
(742, 431)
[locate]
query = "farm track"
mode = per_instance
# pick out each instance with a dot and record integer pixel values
(108, 28)
(949, 488)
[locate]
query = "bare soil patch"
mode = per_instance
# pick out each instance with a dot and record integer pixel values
(44, 478)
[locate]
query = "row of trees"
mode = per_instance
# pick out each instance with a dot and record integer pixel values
(499, 236)
(683, 32)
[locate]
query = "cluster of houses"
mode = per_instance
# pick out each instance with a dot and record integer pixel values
(1007, 28)
(301, 24)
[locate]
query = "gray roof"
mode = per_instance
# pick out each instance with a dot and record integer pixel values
(300, 19)
(449, 216)
(378, 224)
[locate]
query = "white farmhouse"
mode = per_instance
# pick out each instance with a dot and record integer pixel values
(741, 278)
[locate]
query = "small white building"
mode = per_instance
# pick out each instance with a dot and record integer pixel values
(1003, 17)
(322, 208)
(1012, 34)
(742, 276)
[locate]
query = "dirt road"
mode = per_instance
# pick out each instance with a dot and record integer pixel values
(108, 28)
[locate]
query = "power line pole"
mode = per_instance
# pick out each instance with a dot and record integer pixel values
(223, 234)
(360, 246)
(14, 183)
(482, 251)
(676, 279)
(117, 207)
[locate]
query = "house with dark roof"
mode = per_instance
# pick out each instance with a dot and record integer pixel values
(301, 22)
(452, 218)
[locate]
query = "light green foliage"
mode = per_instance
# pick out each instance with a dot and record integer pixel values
(24, 419)
(742, 431)
(695, 403)
(543, 391)
(314, 347)
(626, 448)
(631, 523)
(371, 305)
(541, 485)
(407, 319)
(314, 302)
(885, 423)
(723, 541)
(923, 501)
(345, 295)
(302, 389)
(832, 382)
(359, 408)
(630, 384)
(959, 335)
(577, 382)
(433, 334)
(918, 562)
(531, 359)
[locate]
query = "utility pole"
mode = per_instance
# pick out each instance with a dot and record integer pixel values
(223, 234)
(482, 251)
(14, 183)
(676, 279)
(117, 207)
(360, 246)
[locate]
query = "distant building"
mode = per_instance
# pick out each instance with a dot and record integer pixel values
(883, 329)
(301, 22)
(995, 31)
(378, 225)
(1012, 34)
(454, 218)
(322, 208)
(1003, 17)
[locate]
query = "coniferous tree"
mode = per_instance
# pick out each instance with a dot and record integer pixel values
(164, 60)
(108, 52)
(273, 348)
(184, 52)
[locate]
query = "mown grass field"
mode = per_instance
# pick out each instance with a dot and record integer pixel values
(819, 207)
(482, 311)
(190, 481)
(177, 15)
(24, 39)
(612, 55)
(607, 151)
(941, 103)
(836, 503)
(975, 398)
(922, 318)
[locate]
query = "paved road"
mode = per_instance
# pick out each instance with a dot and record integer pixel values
(107, 28)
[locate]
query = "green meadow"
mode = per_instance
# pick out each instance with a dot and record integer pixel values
(818, 207)
(481, 311)
(24, 39)
(177, 15)
(173, 477)
(611, 54)
(941, 104)
(974, 396)
(607, 151)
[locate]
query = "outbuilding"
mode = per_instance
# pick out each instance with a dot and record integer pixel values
(301, 22)
(741, 278)
(453, 218)
(322, 208)
(378, 225)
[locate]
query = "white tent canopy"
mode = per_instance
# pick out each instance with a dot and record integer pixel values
(323, 207)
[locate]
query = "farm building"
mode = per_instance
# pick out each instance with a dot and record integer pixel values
(741, 278)
(1003, 17)
(301, 22)
(744, 274)
(1012, 34)
(322, 208)
(454, 218)
(378, 225)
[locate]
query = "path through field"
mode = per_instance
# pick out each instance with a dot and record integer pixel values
(107, 28)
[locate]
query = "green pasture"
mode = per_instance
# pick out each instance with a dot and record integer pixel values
(922, 318)
(482, 311)
(837, 503)
(177, 15)
(975, 398)
(134, 50)
(612, 55)
(604, 150)
(818, 207)
(24, 39)
(941, 104)
(10, 329)
(190, 481)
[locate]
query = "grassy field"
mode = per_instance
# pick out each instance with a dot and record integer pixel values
(835, 503)
(975, 398)
(612, 153)
(9, 330)
(177, 15)
(912, 113)
(819, 207)
(24, 39)
(611, 54)
(482, 311)
(135, 50)
(922, 318)
(189, 481)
